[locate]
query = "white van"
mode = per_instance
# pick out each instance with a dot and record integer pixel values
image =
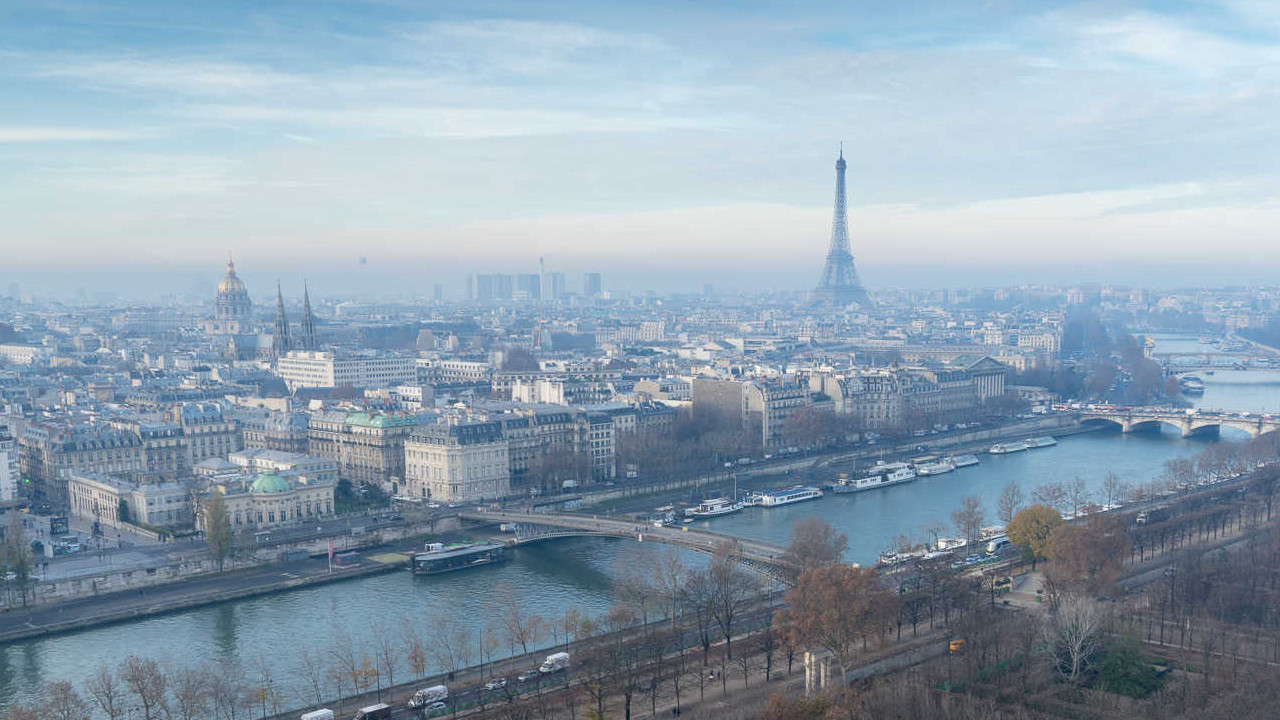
(428, 695)
(381, 711)
(322, 714)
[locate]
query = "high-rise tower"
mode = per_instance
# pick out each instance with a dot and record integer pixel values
(840, 284)
(280, 340)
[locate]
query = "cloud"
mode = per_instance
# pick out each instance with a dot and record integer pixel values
(188, 77)
(51, 134)
(445, 122)
(1165, 41)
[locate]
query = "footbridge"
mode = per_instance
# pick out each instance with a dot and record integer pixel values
(1188, 422)
(528, 528)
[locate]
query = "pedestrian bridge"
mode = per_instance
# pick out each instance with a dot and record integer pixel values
(528, 528)
(1188, 423)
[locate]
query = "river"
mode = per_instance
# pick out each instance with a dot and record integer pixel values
(576, 573)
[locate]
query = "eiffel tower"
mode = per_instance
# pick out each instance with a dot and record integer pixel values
(840, 285)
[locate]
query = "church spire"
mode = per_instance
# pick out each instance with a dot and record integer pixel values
(280, 341)
(307, 338)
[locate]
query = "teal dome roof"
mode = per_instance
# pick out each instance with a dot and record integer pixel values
(269, 483)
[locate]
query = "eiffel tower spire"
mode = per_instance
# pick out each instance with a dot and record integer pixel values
(280, 341)
(840, 284)
(307, 337)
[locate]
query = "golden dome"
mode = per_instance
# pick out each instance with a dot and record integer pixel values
(232, 301)
(231, 283)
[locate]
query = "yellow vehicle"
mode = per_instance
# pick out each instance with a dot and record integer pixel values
(957, 646)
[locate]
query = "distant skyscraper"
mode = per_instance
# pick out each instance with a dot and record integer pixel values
(437, 292)
(556, 287)
(530, 285)
(591, 284)
(840, 284)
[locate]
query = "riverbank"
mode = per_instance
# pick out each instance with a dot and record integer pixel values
(209, 589)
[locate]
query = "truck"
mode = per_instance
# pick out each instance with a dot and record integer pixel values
(555, 662)
(321, 714)
(381, 711)
(429, 695)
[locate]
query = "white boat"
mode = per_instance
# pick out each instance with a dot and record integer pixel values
(940, 467)
(796, 494)
(1040, 442)
(882, 475)
(714, 507)
(1006, 448)
(964, 460)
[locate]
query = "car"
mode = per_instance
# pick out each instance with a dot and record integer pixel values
(434, 506)
(527, 675)
(435, 707)
(496, 684)
(455, 505)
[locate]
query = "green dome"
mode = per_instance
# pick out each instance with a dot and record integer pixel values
(269, 483)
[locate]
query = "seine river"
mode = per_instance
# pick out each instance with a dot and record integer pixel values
(554, 577)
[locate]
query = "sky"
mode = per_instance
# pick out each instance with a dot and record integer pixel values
(664, 144)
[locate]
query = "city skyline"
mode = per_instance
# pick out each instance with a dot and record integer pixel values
(1072, 143)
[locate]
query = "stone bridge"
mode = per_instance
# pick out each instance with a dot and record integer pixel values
(528, 528)
(1188, 423)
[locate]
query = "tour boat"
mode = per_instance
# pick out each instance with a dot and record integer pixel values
(1191, 385)
(1006, 448)
(1041, 442)
(940, 467)
(882, 475)
(796, 494)
(964, 460)
(714, 507)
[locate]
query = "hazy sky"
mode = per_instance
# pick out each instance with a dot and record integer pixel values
(648, 140)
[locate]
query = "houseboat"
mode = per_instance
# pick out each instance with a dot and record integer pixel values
(714, 507)
(440, 558)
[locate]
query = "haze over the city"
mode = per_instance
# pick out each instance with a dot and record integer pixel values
(663, 144)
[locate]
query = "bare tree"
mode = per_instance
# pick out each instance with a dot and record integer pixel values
(311, 672)
(934, 530)
(668, 581)
(1112, 491)
(62, 702)
(969, 517)
(108, 695)
(1077, 496)
(189, 688)
(264, 687)
(696, 600)
(385, 654)
(1053, 494)
(731, 589)
(147, 684)
(834, 609)
(519, 626)
(1010, 502)
(343, 658)
(227, 690)
(450, 643)
(1074, 635)
(815, 543)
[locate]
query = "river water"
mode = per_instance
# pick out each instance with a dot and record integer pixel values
(577, 573)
